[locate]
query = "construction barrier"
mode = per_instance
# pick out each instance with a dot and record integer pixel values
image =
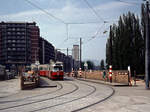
(118, 76)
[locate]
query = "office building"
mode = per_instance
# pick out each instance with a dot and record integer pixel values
(18, 43)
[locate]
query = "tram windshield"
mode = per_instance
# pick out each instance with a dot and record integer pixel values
(57, 68)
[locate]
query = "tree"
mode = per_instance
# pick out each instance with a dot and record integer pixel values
(90, 65)
(127, 44)
(102, 66)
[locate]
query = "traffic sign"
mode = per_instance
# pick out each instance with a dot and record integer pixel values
(85, 64)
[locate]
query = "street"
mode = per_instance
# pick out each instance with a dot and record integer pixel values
(69, 95)
(73, 95)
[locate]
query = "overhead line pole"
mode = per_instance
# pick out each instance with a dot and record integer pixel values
(80, 52)
(147, 47)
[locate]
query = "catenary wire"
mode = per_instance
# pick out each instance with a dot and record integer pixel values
(44, 11)
(93, 10)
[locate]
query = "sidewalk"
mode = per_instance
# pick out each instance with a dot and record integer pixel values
(126, 99)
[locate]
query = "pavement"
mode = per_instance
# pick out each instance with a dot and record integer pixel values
(126, 99)
(9, 87)
(45, 82)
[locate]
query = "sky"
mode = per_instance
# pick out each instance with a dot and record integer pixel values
(54, 25)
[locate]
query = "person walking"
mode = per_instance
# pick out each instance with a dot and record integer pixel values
(104, 75)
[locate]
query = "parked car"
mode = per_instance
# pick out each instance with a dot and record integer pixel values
(9, 75)
(3, 74)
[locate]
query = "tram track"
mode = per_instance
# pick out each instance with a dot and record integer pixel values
(79, 109)
(104, 99)
(21, 99)
(93, 91)
(42, 100)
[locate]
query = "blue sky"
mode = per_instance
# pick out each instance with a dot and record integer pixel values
(70, 11)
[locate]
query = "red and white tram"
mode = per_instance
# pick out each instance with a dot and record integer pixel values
(53, 71)
(57, 71)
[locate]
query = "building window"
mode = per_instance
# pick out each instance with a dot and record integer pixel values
(14, 49)
(9, 48)
(13, 45)
(13, 40)
(8, 32)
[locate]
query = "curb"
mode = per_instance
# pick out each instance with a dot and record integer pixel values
(104, 83)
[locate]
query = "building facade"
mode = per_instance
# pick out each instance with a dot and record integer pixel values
(46, 51)
(18, 43)
(75, 54)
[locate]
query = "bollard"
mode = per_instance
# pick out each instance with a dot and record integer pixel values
(110, 73)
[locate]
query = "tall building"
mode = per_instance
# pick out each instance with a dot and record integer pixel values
(18, 43)
(46, 52)
(34, 36)
(75, 52)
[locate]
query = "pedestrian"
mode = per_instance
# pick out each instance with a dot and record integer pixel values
(104, 75)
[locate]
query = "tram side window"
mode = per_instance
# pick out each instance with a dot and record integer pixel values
(40, 68)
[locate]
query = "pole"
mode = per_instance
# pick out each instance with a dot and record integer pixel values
(43, 49)
(111, 46)
(147, 54)
(80, 51)
(55, 55)
(67, 51)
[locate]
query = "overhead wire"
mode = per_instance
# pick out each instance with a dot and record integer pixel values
(46, 12)
(62, 21)
(50, 16)
(93, 10)
(95, 35)
(126, 2)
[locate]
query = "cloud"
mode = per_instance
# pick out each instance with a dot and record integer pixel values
(112, 6)
(69, 12)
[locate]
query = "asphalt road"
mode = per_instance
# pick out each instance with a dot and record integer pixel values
(60, 96)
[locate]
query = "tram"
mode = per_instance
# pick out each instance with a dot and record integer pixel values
(57, 71)
(44, 70)
(53, 71)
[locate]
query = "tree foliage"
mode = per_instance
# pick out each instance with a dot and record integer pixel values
(127, 44)
(90, 65)
(102, 66)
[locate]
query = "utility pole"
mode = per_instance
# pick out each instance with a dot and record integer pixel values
(111, 56)
(80, 52)
(147, 48)
(43, 49)
(67, 51)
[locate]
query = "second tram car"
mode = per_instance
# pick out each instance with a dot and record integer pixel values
(44, 70)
